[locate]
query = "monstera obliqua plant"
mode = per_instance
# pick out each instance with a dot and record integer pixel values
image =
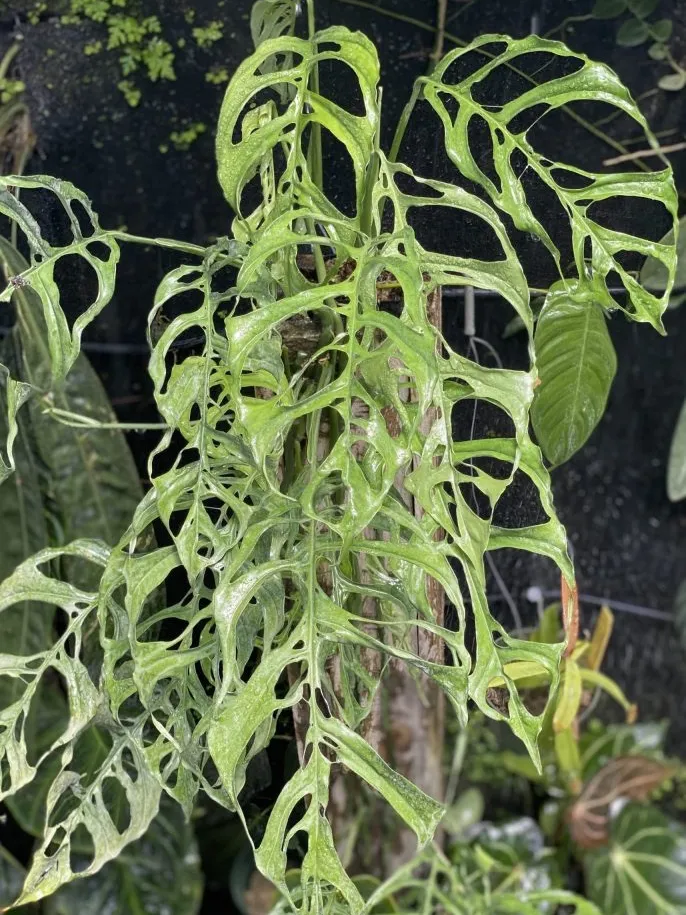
(305, 499)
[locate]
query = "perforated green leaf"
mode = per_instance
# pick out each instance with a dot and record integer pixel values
(313, 491)
(159, 874)
(596, 246)
(576, 366)
(92, 480)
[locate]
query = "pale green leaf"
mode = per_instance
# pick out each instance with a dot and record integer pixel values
(654, 275)
(673, 82)
(159, 874)
(596, 246)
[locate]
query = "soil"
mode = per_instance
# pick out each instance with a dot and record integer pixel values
(629, 541)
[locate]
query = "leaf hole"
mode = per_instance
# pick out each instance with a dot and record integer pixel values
(81, 849)
(82, 222)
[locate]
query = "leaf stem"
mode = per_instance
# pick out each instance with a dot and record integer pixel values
(77, 420)
(186, 247)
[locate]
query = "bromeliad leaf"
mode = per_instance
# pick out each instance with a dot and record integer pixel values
(576, 365)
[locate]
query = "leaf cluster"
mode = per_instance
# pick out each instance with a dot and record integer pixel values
(305, 499)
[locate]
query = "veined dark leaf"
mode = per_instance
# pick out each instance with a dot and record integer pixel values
(609, 9)
(628, 777)
(633, 32)
(576, 365)
(157, 875)
(644, 867)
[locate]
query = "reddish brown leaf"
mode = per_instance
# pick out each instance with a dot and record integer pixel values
(633, 777)
(570, 613)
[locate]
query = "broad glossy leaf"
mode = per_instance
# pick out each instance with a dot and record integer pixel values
(643, 869)
(676, 466)
(160, 874)
(576, 364)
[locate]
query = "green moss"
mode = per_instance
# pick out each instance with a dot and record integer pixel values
(217, 75)
(183, 139)
(36, 12)
(130, 92)
(207, 35)
(137, 40)
(9, 88)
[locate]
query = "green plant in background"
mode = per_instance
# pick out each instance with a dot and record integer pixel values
(607, 820)
(638, 28)
(287, 508)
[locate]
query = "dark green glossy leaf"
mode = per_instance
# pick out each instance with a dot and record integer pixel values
(608, 9)
(644, 867)
(642, 8)
(676, 466)
(632, 33)
(11, 878)
(661, 30)
(576, 364)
